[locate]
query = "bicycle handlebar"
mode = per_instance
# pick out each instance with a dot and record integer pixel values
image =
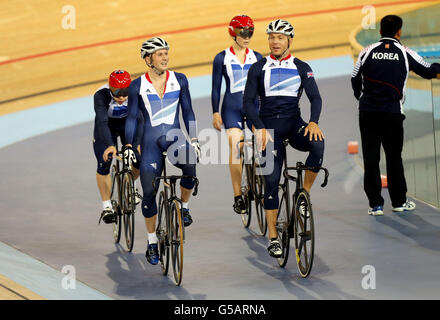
(174, 179)
(300, 167)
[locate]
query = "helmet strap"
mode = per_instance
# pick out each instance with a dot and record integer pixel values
(152, 67)
(288, 47)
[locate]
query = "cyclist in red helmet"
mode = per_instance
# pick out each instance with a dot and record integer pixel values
(110, 102)
(233, 64)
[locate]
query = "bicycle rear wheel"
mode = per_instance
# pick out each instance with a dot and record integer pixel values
(282, 229)
(259, 201)
(245, 192)
(176, 227)
(304, 230)
(128, 209)
(115, 197)
(162, 232)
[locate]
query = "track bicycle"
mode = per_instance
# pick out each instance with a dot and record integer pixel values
(295, 220)
(170, 230)
(252, 184)
(123, 198)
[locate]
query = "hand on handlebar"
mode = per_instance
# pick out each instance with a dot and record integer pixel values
(129, 156)
(109, 151)
(263, 137)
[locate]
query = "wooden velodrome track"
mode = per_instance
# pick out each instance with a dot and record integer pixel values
(41, 63)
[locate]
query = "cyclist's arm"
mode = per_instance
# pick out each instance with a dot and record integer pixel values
(257, 101)
(250, 95)
(420, 66)
(187, 111)
(133, 110)
(217, 68)
(101, 117)
(310, 87)
(139, 129)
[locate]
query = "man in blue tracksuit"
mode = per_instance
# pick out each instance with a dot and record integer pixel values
(378, 81)
(159, 95)
(279, 81)
(110, 103)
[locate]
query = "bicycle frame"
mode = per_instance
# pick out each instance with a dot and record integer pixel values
(299, 168)
(169, 199)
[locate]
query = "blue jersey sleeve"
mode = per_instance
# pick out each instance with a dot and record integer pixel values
(133, 111)
(185, 102)
(251, 95)
(258, 56)
(309, 84)
(101, 116)
(139, 129)
(217, 68)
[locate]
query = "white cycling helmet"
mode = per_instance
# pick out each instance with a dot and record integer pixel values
(152, 45)
(280, 26)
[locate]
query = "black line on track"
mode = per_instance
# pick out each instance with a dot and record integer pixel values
(13, 291)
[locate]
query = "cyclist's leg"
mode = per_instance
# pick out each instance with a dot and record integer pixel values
(103, 178)
(233, 122)
(302, 143)
(150, 168)
(273, 160)
(184, 158)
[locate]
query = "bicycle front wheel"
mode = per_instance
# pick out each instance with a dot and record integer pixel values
(128, 209)
(162, 232)
(304, 230)
(282, 229)
(176, 231)
(259, 202)
(245, 192)
(115, 199)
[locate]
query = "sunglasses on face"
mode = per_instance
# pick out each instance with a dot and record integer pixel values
(244, 32)
(119, 92)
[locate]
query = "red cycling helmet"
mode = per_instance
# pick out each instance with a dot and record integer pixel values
(119, 79)
(241, 22)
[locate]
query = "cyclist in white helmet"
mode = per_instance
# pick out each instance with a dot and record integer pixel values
(279, 81)
(157, 95)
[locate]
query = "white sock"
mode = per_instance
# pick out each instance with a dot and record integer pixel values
(185, 205)
(152, 238)
(106, 204)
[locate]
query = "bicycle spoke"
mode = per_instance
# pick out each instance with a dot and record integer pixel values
(162, 234)
(115, 199)
(304, 238)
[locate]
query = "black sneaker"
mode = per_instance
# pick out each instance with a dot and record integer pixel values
(152, 254)
(275, 249)
(107, 215)
(239, 205)
(187, 220)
